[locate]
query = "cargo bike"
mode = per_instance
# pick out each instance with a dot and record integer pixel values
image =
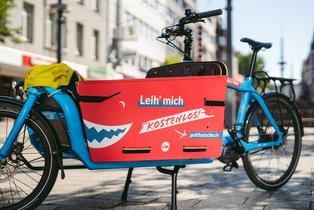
(172, 118)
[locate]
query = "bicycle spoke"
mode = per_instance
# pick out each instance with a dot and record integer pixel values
(11, 189)
(2, 194)
(28, 147)
(29, 175)
(18, 189)
(32, 171)
(31, 168)
(280, 161)
(24, 184)
(256, 151)
(12, 179)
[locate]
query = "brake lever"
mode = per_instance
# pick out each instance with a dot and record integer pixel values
(199, 21)
(163, 36)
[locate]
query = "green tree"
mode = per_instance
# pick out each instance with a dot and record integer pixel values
(5, 29)
(245, 61)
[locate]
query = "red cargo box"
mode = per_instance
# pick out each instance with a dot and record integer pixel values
(154, 118)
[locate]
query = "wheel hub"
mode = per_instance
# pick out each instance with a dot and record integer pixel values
(9, 166)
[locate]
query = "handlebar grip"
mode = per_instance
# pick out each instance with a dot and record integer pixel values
(210, 13)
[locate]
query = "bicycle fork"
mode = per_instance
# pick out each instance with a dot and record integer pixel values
(33, 95)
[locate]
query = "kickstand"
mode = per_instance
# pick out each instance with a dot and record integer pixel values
(128, 181)
(174, 191)
(228, 167)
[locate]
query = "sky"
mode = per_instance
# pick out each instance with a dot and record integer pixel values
(269, 21)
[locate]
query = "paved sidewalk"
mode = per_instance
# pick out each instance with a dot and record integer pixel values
(200, 187)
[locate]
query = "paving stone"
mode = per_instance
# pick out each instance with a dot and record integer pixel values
(288, 205)
(47, 207)
(203, 186)
(86, 203)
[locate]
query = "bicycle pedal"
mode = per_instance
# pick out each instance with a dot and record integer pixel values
(228, 167)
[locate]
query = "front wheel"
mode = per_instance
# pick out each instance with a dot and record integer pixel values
(29, 172)
(271, 168)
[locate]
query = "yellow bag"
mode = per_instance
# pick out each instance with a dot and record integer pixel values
(54, 75)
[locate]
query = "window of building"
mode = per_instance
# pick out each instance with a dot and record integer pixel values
(95, 45)
(52, 30)
(79, 39)
(28, 22)
(155, 4)
(184, 4)
(169, 13)
(147, 31)
(179, 2)
(152, 3)
(128, 19)
(96, 5)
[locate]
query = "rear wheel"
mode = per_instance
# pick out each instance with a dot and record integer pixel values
(271, 168)
(29, 172)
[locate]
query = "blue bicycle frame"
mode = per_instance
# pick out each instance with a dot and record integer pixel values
(78, 141)
(249, 94)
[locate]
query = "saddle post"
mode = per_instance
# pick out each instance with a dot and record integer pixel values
(253, 62)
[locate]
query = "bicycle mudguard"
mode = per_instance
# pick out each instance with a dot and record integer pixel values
(11, 100)
(19, 105)
(153, 119)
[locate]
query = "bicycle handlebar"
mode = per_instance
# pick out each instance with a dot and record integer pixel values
(179, 29)
(192, 17)
(210, 13)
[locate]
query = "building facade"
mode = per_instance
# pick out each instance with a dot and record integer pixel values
(84, 32)
(139, 22)
(133, 46)
(100, 39)
(308, 76)
(204, 44)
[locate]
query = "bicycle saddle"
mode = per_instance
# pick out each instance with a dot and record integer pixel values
(257, 45)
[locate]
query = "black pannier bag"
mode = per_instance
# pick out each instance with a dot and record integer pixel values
(53, 112)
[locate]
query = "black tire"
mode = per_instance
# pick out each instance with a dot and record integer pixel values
(271, 168)
(28, 174)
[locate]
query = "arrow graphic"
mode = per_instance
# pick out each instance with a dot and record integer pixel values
(182, 134)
